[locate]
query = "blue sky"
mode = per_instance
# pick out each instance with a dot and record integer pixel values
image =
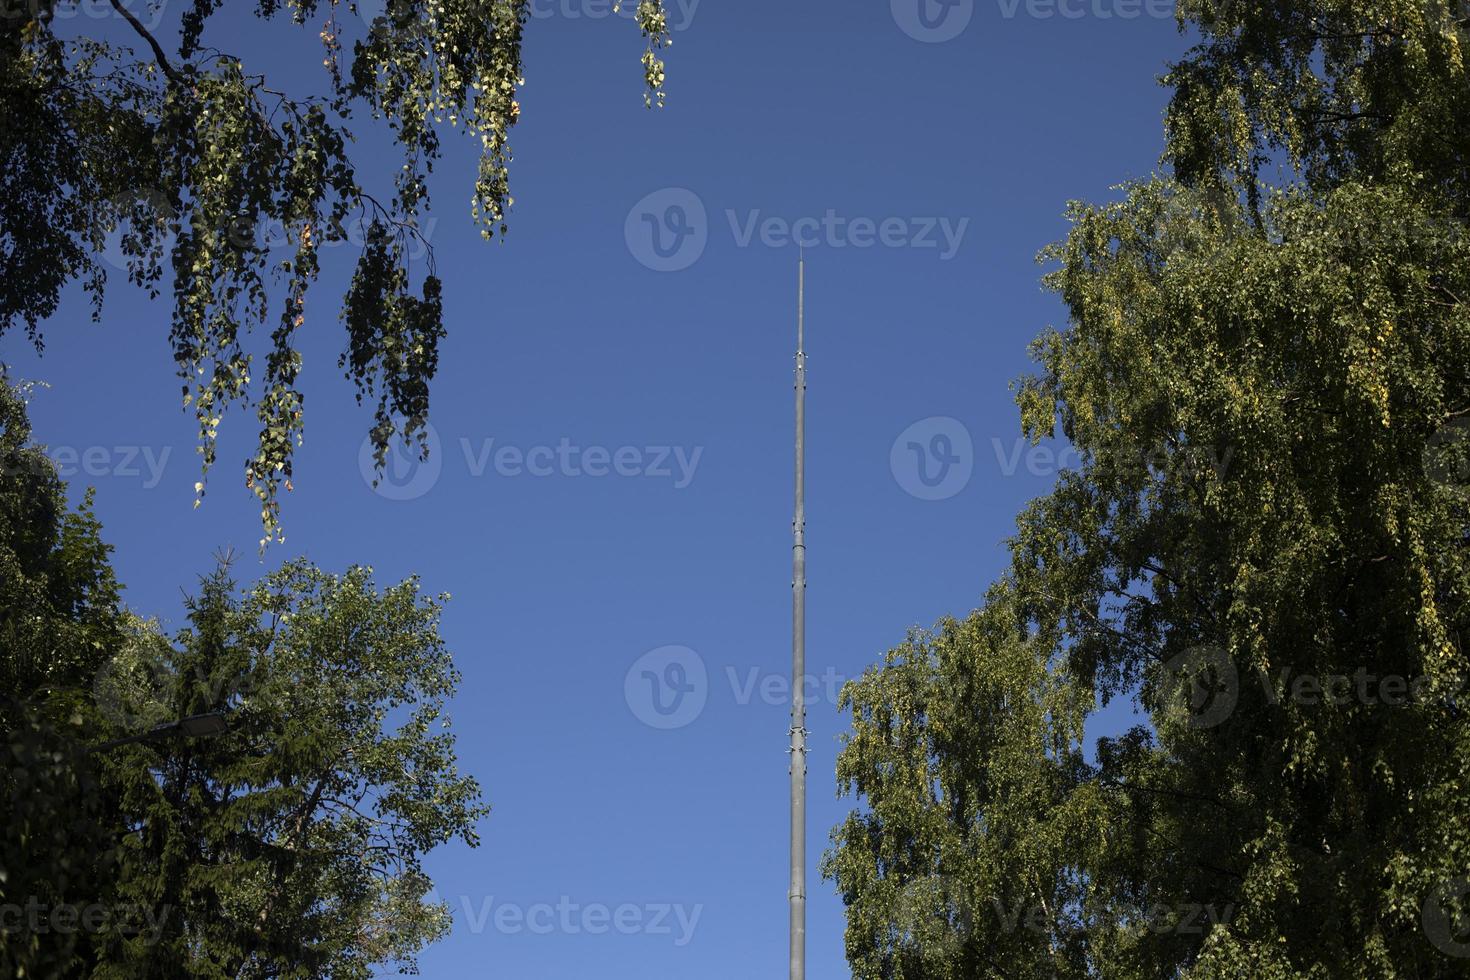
(612, 490)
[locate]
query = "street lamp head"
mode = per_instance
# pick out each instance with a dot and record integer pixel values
(203, 726)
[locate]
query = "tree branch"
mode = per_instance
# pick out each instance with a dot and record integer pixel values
(163, 62)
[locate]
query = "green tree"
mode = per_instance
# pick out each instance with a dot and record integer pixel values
(1269, 386)
(59, 622)
(292, 845)
(187, 142)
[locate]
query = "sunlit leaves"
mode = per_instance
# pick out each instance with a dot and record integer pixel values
(1268, 385)
(181, 161)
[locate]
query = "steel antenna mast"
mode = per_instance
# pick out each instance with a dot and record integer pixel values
(798, 654)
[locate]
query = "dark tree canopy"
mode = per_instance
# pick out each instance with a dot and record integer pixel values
(190, 150)
(290, 846)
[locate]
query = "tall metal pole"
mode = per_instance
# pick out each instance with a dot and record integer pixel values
(798, 655)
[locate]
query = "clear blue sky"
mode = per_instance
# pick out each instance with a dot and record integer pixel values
(584, 332)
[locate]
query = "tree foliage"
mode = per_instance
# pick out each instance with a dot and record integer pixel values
(292, 845)
(190, 152)
(1269, 387)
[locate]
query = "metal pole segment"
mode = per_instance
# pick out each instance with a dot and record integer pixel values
(798, 654)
